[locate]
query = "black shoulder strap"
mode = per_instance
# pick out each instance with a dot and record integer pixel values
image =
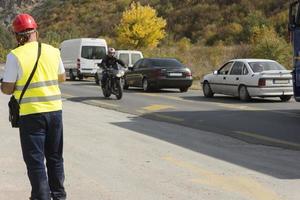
(32, 73)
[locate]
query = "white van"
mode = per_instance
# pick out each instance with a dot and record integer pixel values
(129, 57)
(81, 56)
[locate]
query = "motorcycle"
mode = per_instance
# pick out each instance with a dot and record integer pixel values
(113, 84)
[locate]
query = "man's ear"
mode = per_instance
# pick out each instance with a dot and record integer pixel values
(37, 35)
(8, 88)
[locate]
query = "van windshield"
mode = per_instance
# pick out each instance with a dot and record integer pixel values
(135, 57)
(125, 58)
(93, 52)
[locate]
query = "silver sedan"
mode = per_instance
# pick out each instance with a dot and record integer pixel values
(248, 78)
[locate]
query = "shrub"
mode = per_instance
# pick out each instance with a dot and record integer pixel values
(265, 43)
(200, 59)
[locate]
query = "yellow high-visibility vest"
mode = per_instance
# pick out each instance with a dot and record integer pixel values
(43, 93)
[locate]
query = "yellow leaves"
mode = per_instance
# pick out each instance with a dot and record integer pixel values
(140, 27)
(263, 33)
(234, 28)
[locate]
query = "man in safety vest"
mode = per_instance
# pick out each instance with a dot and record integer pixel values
(41, 128)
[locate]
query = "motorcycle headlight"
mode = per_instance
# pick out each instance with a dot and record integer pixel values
(120, 74)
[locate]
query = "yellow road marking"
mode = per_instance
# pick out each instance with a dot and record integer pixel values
(162, 116)
(141, 111)
(150, 94)
(237, 184)
(240, 107)
(166, 97)
(225, 105)
(157, 107)
(168, 117)
(286, 113)
(268, 139)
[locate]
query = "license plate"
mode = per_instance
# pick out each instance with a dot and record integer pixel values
(281, 81)
(175, 74)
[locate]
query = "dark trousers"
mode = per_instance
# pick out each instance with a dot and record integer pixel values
(104, 78)
(42, 137)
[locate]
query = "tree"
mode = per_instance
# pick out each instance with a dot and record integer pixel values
(140, 27)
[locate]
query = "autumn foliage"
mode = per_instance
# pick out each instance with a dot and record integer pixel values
(140, 27)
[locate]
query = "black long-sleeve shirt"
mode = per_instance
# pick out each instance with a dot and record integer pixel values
(110, 61)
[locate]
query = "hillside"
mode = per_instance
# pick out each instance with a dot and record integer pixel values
(204, 21)
(8, 9)
(201, 21)
(192, 25)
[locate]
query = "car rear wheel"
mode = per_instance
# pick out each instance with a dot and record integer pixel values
(207, 91)
(125, 86)
(80, 77)
(244, 94)
(97, 81)
(285, 98)
(146, 85)
(184, 89)
(71, 75)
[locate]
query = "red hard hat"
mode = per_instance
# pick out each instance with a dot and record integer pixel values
(23, 22)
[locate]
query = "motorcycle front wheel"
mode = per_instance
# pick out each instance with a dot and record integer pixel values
(119, 89)
(106, 90)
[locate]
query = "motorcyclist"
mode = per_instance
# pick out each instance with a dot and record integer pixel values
(110, 61)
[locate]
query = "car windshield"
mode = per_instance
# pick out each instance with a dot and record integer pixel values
(166, 63)
(93, 52)
(265, 66)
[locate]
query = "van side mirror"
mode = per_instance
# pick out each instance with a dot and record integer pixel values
(216, 72)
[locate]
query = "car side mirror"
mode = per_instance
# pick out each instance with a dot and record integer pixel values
(216, 72)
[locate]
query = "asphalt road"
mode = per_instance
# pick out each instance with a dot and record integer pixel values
(117, 156)
(261, 121)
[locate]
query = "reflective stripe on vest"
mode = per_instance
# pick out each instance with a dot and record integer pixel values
(37, 85)
(40, 99)
(43, 93)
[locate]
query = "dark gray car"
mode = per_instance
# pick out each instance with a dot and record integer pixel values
(158, 73)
